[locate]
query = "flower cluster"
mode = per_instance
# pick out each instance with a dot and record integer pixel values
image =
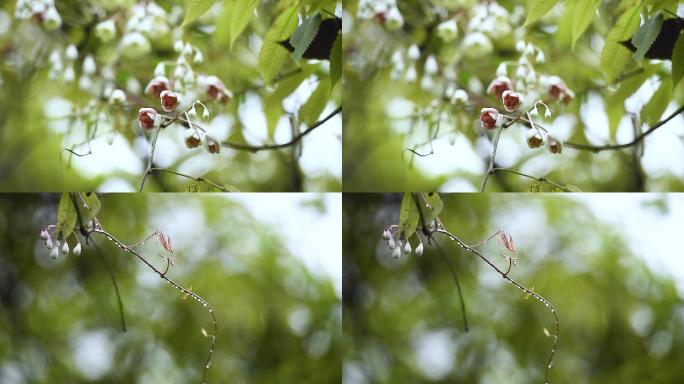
(525, 80)
(488, 22)
(146, 22)
(399, 245)
(183, 78)
(184, 84)
(42, 12)
(56, 246)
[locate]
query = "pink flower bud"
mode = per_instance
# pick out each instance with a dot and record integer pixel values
(216, 90)
(419, 249)
(397, 252)
(148, 118)
(157, 85)
(499, 85)
(213, 146)
(511, 100)
(568, 96)
(534, 138)
(169, 100)
(553, 144)
(192, 138)
(489, 118)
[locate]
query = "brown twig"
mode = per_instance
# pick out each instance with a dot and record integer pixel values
(637, 139)
(528, 291)
(295, 139)
(199, 179)
(539, 179)
(98, 229)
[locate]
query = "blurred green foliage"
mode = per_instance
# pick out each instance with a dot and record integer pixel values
(276, 321)
(403, 322)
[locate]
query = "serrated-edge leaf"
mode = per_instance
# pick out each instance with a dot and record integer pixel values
(536, 9)
(408, 216)
(237, 13)
(678, 61)
(584, 11)
(655, 107)
(195, 9)
(614, 56)
(314, 106)
(646, 35)
(66, 216)
(336, 61)
(303, 36)
(272, 56)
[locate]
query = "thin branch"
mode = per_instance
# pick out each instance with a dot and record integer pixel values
(528, 291)
(294, 140)
(492, 158)
(162, 275)
(110, 271)
(635, 141)
(458, 285)
(150, 158)
(199, 179)
(539, 179)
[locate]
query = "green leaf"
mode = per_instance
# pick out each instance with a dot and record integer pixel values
(584, 12)
(678, 61)
(91, 206)
(272, 102)
(314, 106)
(615, 102)
(235, 17)
(565, 24)
(430, 206)
(272, 55)
(408, 216)
(303, 36)
(336, 62)
(66, 216)
(195, 9)
(614, 56)
(646, 35)
(536, 9)
(655, 107)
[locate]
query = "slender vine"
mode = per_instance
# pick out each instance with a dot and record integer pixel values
(77, 214)
(419, 214)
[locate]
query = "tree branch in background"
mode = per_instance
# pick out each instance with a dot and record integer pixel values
(492, 158)
(150, 158)
(635, 141)
(294, 140)
(539, 179)
(440, 229)
(99, 230)
(199, 179)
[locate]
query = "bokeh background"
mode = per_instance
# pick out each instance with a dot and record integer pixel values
(276, 292)
(40, 115)
(610, 264)
(390, 108)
